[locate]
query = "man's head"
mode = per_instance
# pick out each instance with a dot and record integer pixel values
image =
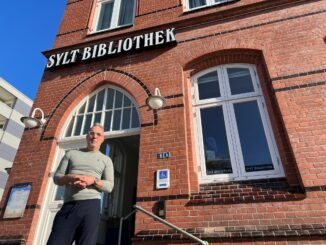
(95, 137)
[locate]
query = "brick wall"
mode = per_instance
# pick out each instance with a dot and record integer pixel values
(286, 42)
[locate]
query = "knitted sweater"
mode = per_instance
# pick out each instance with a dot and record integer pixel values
(83, 162)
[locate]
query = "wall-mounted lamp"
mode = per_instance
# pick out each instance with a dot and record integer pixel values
(156, 101)
(32, 122)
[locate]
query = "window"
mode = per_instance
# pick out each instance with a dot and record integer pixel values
(235, 139)
(3, 122)
(7, 98)
(10, 103)
(111, 14)
(195, 4)
(109, 106)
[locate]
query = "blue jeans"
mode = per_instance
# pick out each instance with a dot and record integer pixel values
(76, 221)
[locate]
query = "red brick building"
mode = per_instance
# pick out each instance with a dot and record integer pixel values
(242, 131)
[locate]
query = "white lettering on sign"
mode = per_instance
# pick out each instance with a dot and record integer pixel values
(163, 155)
(87, 53)
(74, 55)
(112, 48)
(102, 50)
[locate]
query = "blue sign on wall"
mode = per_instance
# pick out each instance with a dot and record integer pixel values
(163, 178)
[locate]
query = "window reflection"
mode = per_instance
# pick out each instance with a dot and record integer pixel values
(253, 140)
(118, 100)
(78, 125)
(216, 149)
(99, 100)
(126, 118)
(208, 86)
(196, 3)
(59, 195)
(88, 122)
(105, 16)
(109, 99)
(91, 104)
(240, 80)
(116, 120)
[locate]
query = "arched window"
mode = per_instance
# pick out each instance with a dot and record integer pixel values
(109, 106)
(235, 139)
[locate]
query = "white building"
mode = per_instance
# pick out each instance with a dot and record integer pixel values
(13, 106)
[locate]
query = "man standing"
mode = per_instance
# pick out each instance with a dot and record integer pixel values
(85, 174)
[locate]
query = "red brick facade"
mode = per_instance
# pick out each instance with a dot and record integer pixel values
(284, 39)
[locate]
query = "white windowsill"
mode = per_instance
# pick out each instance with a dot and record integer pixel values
(223, 180)
(92, 32)
(206, 6)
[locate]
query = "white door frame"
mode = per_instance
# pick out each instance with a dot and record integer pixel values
(49, 205)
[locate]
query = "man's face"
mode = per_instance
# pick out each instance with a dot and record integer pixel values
(95, 138)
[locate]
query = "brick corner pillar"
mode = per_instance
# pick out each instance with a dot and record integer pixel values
(32, 165)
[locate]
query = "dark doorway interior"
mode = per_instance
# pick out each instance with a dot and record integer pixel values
(124, 154)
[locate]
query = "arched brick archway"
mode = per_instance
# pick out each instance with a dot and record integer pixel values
(64, 107)
(227, 56)
(57, 119)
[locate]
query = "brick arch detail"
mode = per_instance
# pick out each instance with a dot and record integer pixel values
(229, 56)
(255, 57)
(134, 86)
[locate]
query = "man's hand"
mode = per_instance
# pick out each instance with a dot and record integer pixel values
(79, 184)
(79, 181)
(84, 181)
(87, 180)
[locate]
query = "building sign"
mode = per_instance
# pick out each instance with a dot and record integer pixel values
(162, 179)
(115, 47)
(17, 201)
(163, 155)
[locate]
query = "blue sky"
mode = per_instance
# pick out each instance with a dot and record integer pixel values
(27, 29)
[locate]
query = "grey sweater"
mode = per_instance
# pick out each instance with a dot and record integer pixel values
(89, 163)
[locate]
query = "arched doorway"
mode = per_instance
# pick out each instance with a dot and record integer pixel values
(116, 110)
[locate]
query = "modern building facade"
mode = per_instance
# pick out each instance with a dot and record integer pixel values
(240, 140)
(13, 106)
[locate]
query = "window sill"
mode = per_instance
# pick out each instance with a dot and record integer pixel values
(94, 33)
(189, 11)
(214, 180)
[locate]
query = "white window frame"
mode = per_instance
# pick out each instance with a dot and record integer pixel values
(115, 15)
(208, 3)
(226, 100)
